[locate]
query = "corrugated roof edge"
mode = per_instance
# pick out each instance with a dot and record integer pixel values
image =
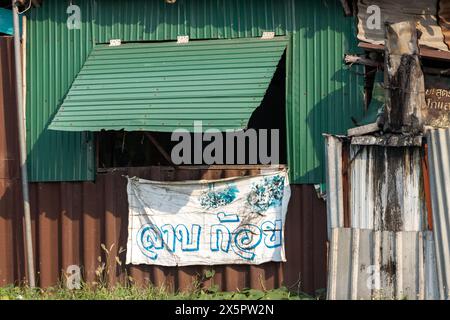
(439, 172)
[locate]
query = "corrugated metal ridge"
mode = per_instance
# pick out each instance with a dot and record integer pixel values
(367, 264)
(163, 86)
(385, 187)
(335, 191)
(439, 170)
(321, 95)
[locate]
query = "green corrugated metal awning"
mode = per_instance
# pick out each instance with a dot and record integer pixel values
(164, 86)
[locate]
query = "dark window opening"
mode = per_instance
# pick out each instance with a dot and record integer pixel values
(141, 148)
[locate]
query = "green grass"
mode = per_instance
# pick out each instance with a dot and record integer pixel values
(137, 293)
(100, 290)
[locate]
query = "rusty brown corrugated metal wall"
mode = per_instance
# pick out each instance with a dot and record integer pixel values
(11, 242)
(72, 220)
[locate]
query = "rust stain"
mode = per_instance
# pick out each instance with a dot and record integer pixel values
(426, 186)
(346, 183)
(9, 167)
(73, 220)
(385, 186)
(389, 270)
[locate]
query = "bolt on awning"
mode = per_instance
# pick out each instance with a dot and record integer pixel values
(164, 86)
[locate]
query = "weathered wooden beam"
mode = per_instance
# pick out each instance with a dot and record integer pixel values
(424, 52)
(352, 59)
(436, 71)
(158, 146)
(362, 130)
(262, 167)
(404, 80)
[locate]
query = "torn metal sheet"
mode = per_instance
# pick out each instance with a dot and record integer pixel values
(423, 12)
(385, 187)
(367, 264)
(439, 170)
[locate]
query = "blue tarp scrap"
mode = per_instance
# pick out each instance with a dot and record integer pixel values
(6, 21)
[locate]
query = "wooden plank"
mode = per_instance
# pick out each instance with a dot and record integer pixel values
(362, 264)
(351, 59)
(199, 167)
(424, 52)
(159, 147)
(362, 130)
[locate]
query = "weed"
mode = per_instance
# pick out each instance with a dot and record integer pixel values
(126, 289)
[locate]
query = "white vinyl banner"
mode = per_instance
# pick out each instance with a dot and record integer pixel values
(228, 221)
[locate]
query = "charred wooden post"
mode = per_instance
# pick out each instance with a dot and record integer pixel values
(404, 80)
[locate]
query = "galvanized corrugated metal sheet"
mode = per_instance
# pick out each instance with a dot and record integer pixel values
(336, 148)
(385, 186)
(322, 96)
(423, 12)
(439, 171)
(367, 264)
(165, 86)
(72, 220)
(335, 190)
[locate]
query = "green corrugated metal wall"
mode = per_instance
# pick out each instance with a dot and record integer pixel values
(55, 55)
(321, 95)
(163, 86)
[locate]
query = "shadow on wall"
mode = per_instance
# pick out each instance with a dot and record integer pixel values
(333, 114)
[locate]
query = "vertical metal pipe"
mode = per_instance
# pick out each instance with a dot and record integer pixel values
(23, 147)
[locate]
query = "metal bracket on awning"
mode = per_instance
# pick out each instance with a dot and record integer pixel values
(115, 42)
(267, 35)
(182, 39)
